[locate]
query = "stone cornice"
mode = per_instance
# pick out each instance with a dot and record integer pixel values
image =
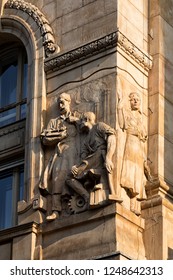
(19, 230)
(41, 21)
(98, 46)
(145, 60)
(79, 54)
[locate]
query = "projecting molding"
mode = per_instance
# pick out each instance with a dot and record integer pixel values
(115, 39)
(144, 59)
(41, 21)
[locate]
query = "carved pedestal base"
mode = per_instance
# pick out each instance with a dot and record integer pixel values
(111, 232)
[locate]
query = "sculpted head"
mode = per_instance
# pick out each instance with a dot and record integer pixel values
(88, 120)
(135, 101)
(64, 101)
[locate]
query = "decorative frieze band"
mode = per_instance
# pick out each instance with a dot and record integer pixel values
(41, 21)
(100, 45)
(79, 54)
(145, 60)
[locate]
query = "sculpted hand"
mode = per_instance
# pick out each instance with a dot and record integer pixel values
(120, 100)
(109, 165)
(73, 119)
(74, 170)
(119, 93)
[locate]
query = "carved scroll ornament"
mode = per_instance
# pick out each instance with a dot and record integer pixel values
(41, 21)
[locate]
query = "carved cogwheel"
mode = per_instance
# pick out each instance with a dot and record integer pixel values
(77, 204)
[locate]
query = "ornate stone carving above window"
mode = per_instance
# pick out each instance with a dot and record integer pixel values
(40, 19)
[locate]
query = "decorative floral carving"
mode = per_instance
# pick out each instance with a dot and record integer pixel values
(42, 22)
(100, 45)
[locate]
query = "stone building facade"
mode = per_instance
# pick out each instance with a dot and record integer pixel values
(101, 54)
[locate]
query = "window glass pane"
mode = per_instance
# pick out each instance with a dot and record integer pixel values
(7, 117)
(10, 193)
(8, 84)
(13, 84)
(6, 201)
(23, 111)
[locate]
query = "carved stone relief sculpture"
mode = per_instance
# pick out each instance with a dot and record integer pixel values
(78, 177)
(134, 159)
(61, 132)
(96, 166)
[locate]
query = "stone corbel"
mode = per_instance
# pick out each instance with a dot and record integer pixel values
(41, 21)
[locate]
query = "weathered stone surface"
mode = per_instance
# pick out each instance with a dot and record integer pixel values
(135, 24)
(98, 233)
(5, 251)
(94, 57)
(82, 16)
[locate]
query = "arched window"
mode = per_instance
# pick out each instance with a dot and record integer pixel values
(26, 37)
(13, 81)
(13, 97)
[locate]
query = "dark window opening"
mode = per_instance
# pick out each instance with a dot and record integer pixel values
(13, 84)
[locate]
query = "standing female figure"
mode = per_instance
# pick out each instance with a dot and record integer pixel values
(132, 173)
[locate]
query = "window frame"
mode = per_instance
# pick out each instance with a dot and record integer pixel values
(14, 169)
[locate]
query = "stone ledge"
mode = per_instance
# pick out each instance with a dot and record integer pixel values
(118, 255)
(94, 234)
(10, 233)
(156, 201)
(91, 215)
